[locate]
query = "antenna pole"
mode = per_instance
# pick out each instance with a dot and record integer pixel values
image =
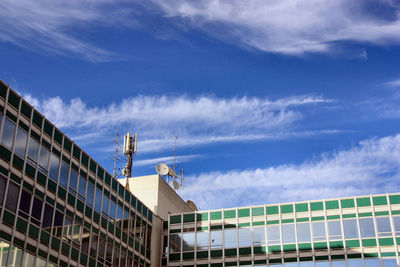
(130, 146)
(116, 155)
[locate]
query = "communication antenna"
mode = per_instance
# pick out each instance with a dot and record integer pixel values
(129, 150)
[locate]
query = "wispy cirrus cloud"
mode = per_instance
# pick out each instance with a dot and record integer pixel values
(196, 120)
(291, 27)
(166, 160)
(372, 166)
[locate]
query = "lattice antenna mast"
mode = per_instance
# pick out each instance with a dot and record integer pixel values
(116, 156)
(129, 150)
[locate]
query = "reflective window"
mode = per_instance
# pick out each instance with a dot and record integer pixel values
(90, 194)
(259, 235)
(338, 264)
(106, 200)
(367, 228)
(174, 242)
(216, 239)
(12, 197)
(288, 234)
(319, 232)
(307, 264)
(372, 262)
(383, 225)
(230, 238)
(322, 264)
(244, 237)
(112, 209)
(97, 205)
(350, 228)
(54, 163)
(202, 240)
(335, 230)
(44, 157)
(33, 149)
(119, 212)
(8, 133)
(58, 220)
(355, 263)
(396, 222)
(28, 260)
(188, 241)
(64, 174)
(303, 232)
(20, 142)
(291, 264)
(274, 235)
(25, 203)
(67, 228)
(2, 188)
(389, 263)
(73, 180)
(82, 186)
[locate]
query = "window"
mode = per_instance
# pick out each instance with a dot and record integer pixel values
(44, 157)
(64, 174)
(2, 188)
(90, 194)
(258, 235)
(202, 240)
(244, 237)
(73, 180)
(174, 243)
(33, 149)
(396, 222)
(335, 230)
(106, 200)
(82, 186)
(188, 241)
(303, 232)
(274, 235)
(47, 216)
(12, 197)
(54, 163)
(230, 238)
(37, 208)
(8, 133)
(112, 209)
(350, 229)
(25, 203)
(119, 212)
(319, 233)
(20, 142)
(288, 233)
(97, 203)
(383, 224)
(367, 228)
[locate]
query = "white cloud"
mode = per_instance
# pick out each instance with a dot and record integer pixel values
(198, 120)
(373, 166)
(394, 83)
(166, 160)
(288, 26)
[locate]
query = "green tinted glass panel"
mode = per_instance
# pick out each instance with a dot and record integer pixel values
(272, 210)
(301, 207)
(175, 219)
(216, 215)
(228, 214)
(382, 200)
(287, 208)
(347, 203)
(258, 211)
(394, 199)
(332, 204)
(202, 216)
(363, 202)
(188, 217)
(244, 212)
(317, 206)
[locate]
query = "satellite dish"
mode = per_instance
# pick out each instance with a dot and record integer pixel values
(176, 184)
(163, 169)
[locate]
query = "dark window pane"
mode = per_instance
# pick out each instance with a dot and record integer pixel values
(105, 204)
(37, 208)
(12, 197)
(25, 202)
(2, 188)
(44, 157)
(54, 162)
(90, 194)
(33, 149)
(8, 133)
(64, 173)
(112, 209)
(20, 143)
(48, 216)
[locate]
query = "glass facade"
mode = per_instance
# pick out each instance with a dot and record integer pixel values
(357, 231)
(58, 207)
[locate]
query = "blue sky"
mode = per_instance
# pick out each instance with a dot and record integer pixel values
(272, 101)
